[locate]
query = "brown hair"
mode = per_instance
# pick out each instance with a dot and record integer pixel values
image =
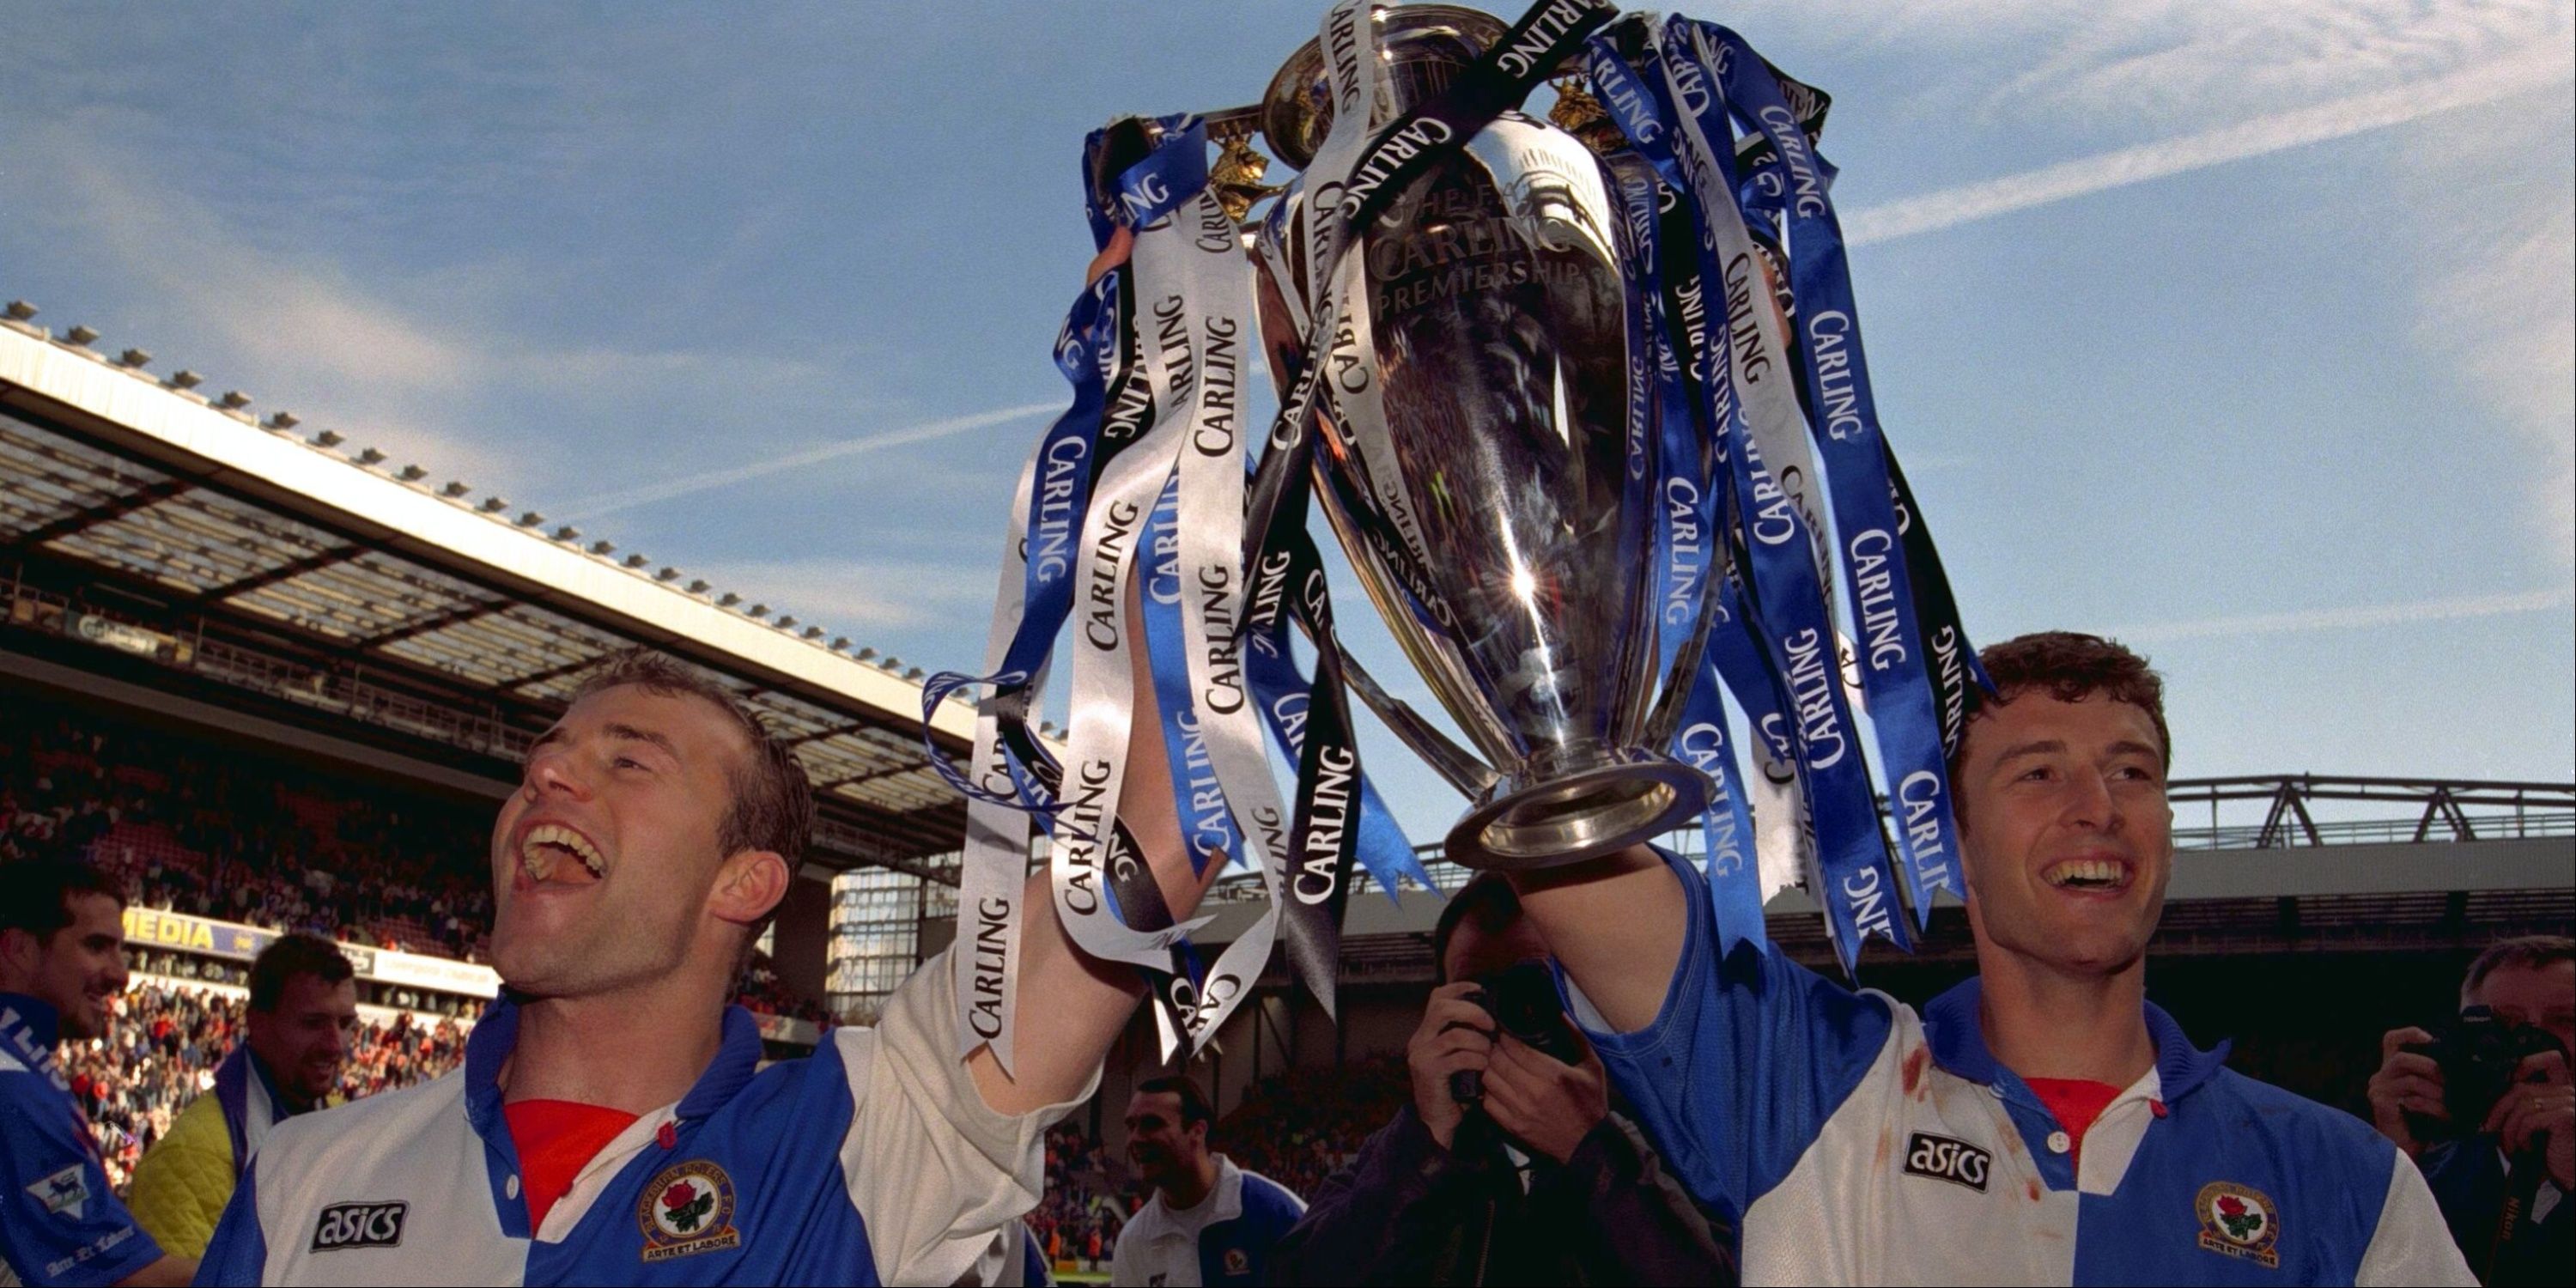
(1194, 1102)
(36, 894)
(773, 804)
(290, 956)
(2068, 667)
(1487, 900)
(2529, 952)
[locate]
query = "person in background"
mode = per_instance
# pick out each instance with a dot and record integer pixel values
(1539, 1183)
(2039, 1123)
(1208, 1222)
(2504, 1180)
(62, 960)
(303, 1020)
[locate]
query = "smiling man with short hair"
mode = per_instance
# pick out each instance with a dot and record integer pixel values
(302, 1018)
(2041, 1123)
(612, 1123)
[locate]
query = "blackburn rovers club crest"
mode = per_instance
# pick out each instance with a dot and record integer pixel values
(688, 1209)
(2239, 1221)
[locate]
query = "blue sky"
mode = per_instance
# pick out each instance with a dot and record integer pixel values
(2241, 330)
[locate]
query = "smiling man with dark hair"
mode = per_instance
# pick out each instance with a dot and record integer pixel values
(2042, 1123)
(303, 1016)
(62, 964)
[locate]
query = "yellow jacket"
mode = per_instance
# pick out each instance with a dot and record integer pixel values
(181, 1186)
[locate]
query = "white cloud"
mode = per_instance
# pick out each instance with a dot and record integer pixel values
(425, 365)
(2356, 615)
(856, 595)
(2163, 158)
(2488, 190)
(627, 498)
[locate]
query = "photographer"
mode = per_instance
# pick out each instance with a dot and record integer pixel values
(2487, 1110)
(1533, 1180)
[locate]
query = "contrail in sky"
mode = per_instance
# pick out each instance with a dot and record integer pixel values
(1967, 203)
(611, 502)
(2318, 619)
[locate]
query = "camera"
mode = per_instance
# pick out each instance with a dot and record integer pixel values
(1522, 999)
(2480, 1057)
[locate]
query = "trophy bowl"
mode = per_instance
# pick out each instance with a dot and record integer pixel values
(1497, 513)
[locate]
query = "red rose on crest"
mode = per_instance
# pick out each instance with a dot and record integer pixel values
(2231, 1205)
(679, 1194)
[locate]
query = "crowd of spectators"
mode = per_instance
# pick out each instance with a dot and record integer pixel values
(1304, 1125)
(162, 1050)
(227, 833)
(1079, 1216)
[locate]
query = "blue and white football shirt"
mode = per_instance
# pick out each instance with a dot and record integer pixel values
(1225, 1240)
(1862, 1143)
(873, 1160)
(59, 1221)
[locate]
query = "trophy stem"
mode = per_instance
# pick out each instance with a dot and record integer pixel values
(1581, 803)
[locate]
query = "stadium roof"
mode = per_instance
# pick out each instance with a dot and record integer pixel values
(257, 554)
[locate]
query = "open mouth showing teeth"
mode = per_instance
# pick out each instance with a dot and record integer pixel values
(549, 847)
(2088, 874)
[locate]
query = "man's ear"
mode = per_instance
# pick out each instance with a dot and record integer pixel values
(19, 950)
(748, 886)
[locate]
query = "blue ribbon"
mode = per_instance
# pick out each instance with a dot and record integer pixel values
(1843, 422)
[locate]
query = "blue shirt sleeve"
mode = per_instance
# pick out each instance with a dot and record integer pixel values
(238, 1252)
(1736, 1075)
(59, 1221)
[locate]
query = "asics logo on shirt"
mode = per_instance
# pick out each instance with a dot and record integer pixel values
(359, 1225)
(1944, 1159)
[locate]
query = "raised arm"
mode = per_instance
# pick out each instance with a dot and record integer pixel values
(1617, 925)
(1072, 1007)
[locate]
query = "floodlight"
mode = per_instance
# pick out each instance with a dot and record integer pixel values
(134, 358)
(456, 488)
(186, 380)
(282, 421)
(21, 311)
(234, 398)
(329, 438)
(80, 335)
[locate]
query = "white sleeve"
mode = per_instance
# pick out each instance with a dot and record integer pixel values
(2412, 1244)
(935, 1172)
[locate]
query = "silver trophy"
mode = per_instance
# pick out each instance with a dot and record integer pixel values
(1493, 514)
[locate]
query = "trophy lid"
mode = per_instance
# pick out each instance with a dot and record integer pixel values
(1421, 47)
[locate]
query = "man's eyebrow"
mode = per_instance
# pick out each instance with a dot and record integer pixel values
(2043, 747)
(2130, 747)
(630, 733)
(548, 738)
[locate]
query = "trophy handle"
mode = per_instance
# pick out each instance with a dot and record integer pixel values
(1472, 777)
